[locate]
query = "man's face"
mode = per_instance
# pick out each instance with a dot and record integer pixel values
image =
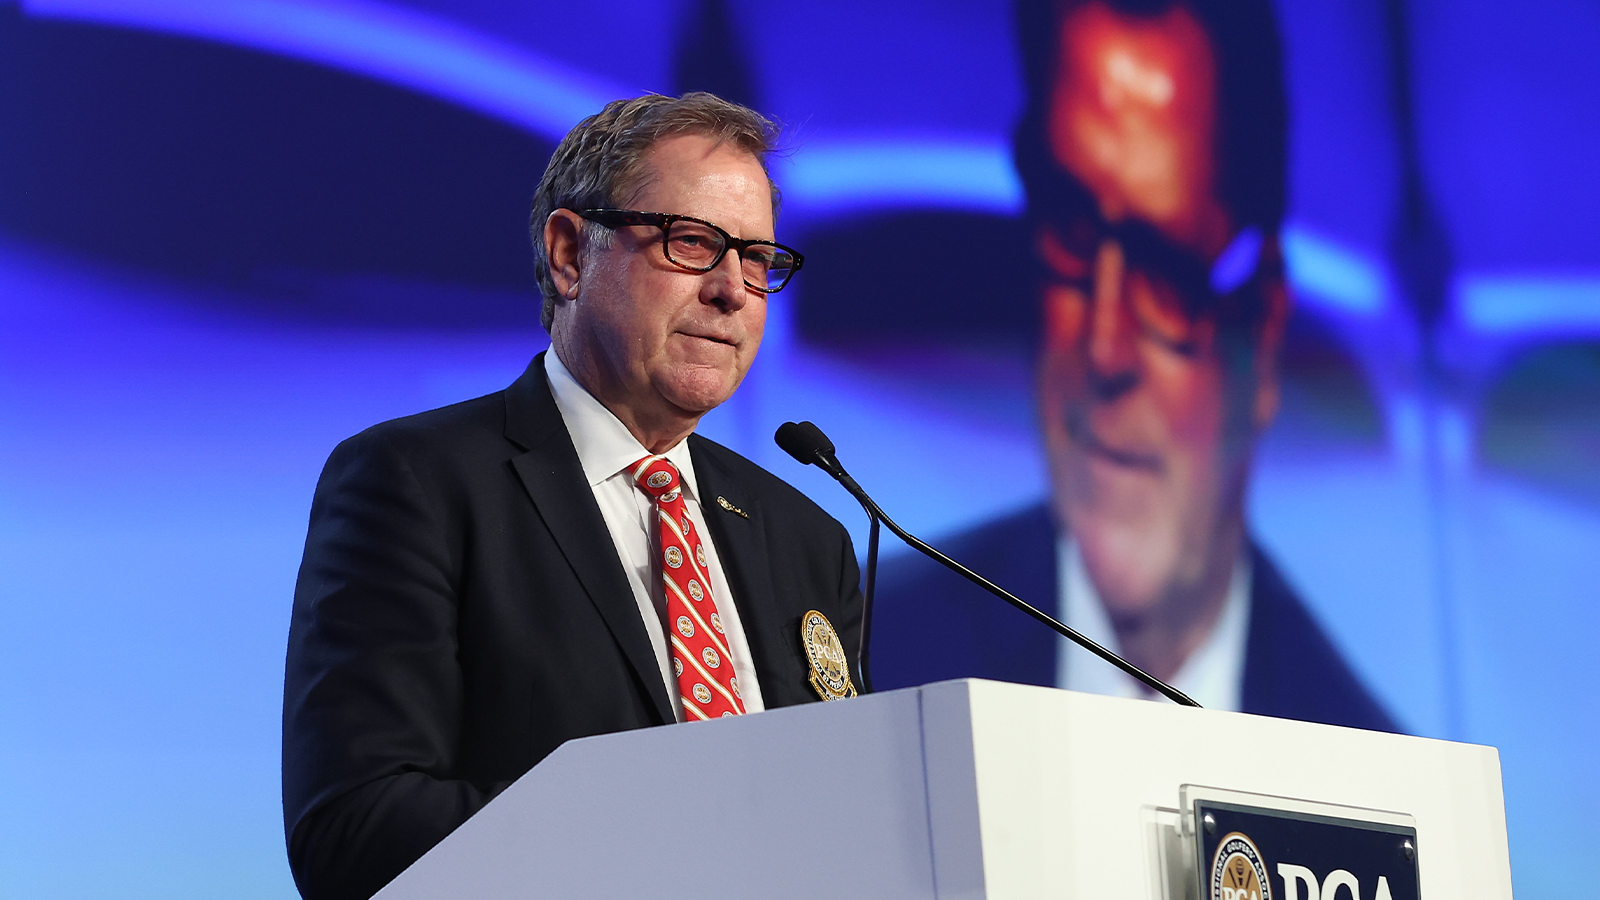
(1147, 434)
(664, 342)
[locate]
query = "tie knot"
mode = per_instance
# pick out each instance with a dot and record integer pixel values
(658, 477)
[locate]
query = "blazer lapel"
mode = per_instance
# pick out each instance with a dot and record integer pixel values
(554, 479)
(742, 548)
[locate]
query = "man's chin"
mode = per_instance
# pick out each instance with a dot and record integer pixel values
(697, 390)
(1128, 605)
(1129, 567)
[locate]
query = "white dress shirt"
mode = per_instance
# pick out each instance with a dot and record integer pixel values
(608, 451)
(1212, 674)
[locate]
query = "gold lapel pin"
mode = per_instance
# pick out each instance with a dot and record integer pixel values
(723, 502)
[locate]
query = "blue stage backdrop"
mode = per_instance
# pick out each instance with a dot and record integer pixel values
(234, 232)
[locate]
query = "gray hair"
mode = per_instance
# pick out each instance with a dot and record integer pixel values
(600, 163)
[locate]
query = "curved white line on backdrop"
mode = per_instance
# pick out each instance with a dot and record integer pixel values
(1332, 276)
(424, 53)
(440, 58)
(826, 178)
(1527, 306)
(443, 59)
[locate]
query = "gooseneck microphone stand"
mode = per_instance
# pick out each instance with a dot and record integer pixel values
(806, 443)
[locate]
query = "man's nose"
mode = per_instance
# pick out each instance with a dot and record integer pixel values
(723, 285)
(1113, 333)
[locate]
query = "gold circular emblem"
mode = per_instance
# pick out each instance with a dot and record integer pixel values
(702, 693)
(1237, 872)
(685, 627)
(830, 670)
(659, 479)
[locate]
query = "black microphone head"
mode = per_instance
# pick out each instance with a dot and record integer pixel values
(804, 441)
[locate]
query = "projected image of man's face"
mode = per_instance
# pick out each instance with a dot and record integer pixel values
(1147, 431)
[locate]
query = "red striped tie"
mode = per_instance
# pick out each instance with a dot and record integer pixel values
(700, 656)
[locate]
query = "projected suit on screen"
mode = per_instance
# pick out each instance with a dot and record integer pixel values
(1152, 150)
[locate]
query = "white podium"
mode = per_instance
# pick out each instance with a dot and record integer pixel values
(964, 789)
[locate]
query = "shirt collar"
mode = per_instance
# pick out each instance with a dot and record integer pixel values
(605, 446)
(1213, 674)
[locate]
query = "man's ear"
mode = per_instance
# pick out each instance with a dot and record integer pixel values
(563, 241)
(1276, 306)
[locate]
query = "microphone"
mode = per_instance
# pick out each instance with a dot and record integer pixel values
(806, 443)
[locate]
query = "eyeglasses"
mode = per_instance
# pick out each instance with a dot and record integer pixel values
(1170, 289)
(698, 245)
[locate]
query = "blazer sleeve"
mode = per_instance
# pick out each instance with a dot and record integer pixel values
(373, 691)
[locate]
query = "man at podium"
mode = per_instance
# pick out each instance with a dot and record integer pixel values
(563, 558)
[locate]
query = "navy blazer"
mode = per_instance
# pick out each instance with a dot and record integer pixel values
(930, 625)
(461, 611)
